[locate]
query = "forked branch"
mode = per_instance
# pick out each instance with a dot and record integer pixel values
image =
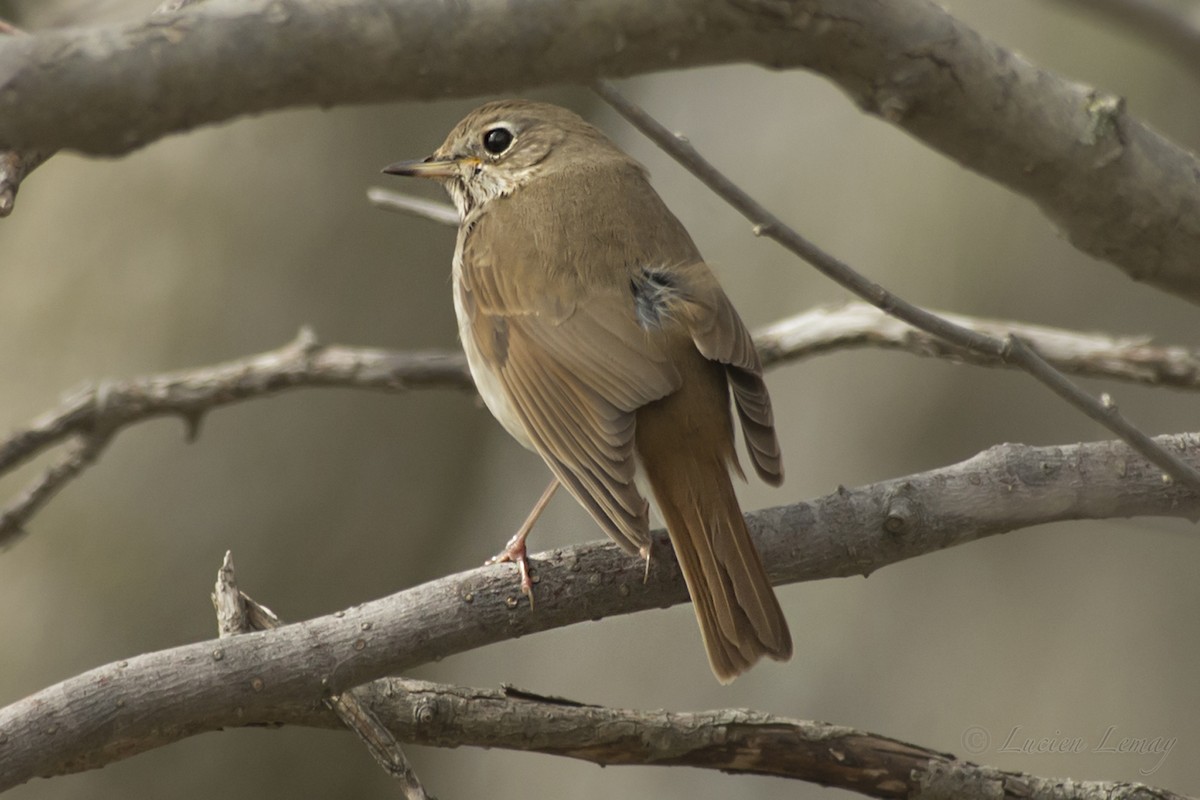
(149, 700)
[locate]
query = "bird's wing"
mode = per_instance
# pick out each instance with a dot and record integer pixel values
(721, 336)
(574, 367)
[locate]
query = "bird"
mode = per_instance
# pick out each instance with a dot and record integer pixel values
(599, 338)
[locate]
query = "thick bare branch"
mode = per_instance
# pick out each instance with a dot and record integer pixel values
(147, 701)
(731, 740)
(14, 164)
(1119, 190)
(238, 613)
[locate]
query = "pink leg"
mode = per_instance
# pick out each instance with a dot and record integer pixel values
(515, 552)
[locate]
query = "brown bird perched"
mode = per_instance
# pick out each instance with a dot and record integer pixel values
(600, 339)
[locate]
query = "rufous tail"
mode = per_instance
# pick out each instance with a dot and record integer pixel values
(736, 607)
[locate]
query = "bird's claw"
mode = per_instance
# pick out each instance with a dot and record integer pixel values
(515, 553)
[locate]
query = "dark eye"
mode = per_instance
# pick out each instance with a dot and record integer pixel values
(497, 140)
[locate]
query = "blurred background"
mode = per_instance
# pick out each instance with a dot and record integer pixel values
(223, 242)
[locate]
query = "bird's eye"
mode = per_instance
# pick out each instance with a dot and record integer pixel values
(497, 140)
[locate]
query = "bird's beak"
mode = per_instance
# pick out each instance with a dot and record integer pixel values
(431, 167)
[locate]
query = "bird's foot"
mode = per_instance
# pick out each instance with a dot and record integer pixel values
(515, 553)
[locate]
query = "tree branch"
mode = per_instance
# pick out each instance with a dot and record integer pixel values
(14, 164)
(1094, 355)
(432, 210)
(94, 414)
(304, 363)
(82, 453)
(731, 740)
(238, 613)
(1010, 349)
(1119, 190)
(190, 394)
(14, 167)
(149, 700)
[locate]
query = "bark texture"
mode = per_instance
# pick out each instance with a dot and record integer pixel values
(127, 707)
(1117, 189)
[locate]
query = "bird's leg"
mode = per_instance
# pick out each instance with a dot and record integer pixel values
(645, 551)
(515, 551)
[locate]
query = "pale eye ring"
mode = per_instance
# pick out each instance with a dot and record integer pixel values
(497, 140)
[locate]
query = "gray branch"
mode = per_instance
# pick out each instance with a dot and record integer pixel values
(736, 741)
(1119, 191)
(432, 210)
(190, 394)
(238, 613)
(15, 165)
(90, 417)
(130, 706)
(1135, 359)
(731, 740)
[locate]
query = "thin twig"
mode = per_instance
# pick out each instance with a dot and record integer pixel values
(862, 325)
(81, 454)
(238, 613)
(190, 394)
(767, 224)
(153, 699)
(849, 325)
(442, 213)
(1103, 411)
(304, 363)
(859, 325)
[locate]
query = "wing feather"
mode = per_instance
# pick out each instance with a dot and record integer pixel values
(573, 375)
(721, 336)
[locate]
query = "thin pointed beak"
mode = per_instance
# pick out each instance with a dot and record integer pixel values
(430, 167)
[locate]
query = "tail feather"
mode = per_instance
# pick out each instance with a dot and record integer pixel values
(739, 615)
